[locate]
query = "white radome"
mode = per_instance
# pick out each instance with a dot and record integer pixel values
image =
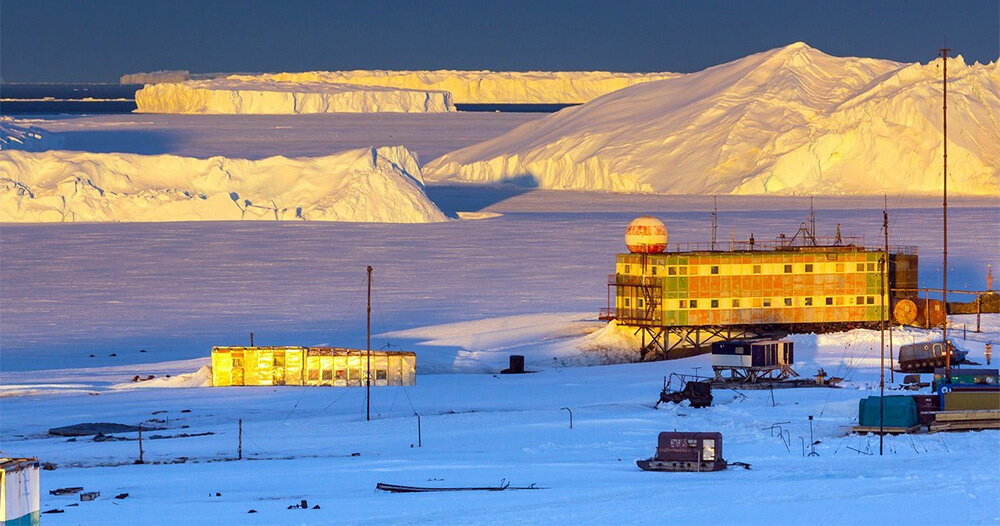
(646, 235)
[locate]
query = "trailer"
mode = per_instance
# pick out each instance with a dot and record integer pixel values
(753, 361)
(686, 451)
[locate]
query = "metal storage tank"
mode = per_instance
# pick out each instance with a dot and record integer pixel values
(19, 493)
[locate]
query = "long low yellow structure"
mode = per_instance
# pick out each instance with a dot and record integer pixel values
(330, 366)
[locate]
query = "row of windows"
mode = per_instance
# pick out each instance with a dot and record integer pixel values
(757, 303)
(764, 268)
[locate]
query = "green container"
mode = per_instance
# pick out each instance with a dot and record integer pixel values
(900, 411)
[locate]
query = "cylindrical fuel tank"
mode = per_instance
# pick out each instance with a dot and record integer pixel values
(929, 313)
(904, 312)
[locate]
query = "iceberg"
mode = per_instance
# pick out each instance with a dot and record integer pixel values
(232, 96)
(366, 185)
(792, 120)
(481, 87)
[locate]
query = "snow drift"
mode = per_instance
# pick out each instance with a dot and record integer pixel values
(791, 120)
(31, 138)
(366, 185)
(481, 87)
(270, 97)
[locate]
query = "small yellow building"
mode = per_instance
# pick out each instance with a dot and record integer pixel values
(330, 366)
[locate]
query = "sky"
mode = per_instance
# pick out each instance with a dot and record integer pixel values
(99, 40)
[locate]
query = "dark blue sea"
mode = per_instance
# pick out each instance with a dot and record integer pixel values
(80, 99)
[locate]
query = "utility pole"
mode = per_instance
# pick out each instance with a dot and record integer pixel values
(368, 348)
(886, 313)
(141, 460)
(239, 447)
(944, 208)
(881, 369)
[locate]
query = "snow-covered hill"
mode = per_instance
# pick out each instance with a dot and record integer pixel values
(367, 185)
(482, 87)
(261, 96)
(18, 137)
(791, 120)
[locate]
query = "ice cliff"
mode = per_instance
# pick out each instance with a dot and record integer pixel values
(229, 96)
(367, 185)
(791, 120)
(482, 87)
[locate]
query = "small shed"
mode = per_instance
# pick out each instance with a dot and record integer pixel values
(19, 499)
(315, 366)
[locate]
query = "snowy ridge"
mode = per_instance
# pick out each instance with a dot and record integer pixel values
(482, 87)
(367, 185)
(30, 138)
(269, 97)
(791, 120)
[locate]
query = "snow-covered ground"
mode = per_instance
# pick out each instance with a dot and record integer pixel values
(262, 96)
(15, 135)
(481, 87)
(477, 429)
(370, 185)
(792, 120)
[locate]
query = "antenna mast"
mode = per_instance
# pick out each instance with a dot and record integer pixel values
(368, 348)
(715, 213)
(944, 208)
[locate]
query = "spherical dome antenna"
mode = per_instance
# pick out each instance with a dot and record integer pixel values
(646, 235)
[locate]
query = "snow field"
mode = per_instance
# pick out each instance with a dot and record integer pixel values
(478, 429)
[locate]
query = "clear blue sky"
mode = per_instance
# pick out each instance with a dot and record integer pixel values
(98, 40)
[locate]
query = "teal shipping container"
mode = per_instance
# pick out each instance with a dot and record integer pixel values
(900, 411)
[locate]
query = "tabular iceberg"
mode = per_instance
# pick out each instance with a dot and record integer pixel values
(233, 96)
(367, 185)
(791, 120)
(482, 87)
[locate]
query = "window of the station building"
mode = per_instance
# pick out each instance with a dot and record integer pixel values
(860, 300)
(715, 304)
(714, 269)
(788, 269)
(694, 304)
(683, 304)
(767, 302)
(861, 267)
(809, 267)
(808, 301)
(640, 303)
(870, 300)
(381, 374)
(829, 300)
(671, 271)
(736, 303)
(628, 268)
(756, 269)
(682, 270)
(626, 302)
(788, 302)
(654, 270)
(871, 267)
